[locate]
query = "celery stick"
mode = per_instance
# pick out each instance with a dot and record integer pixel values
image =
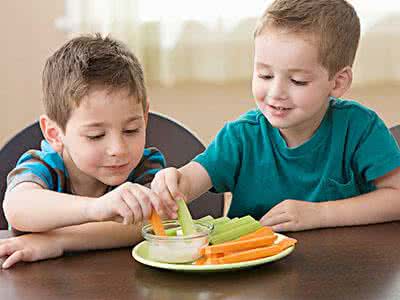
(185, 219)
(237, 222)
(171, 231)
(235, 233)
(221, 220)
(207, 220)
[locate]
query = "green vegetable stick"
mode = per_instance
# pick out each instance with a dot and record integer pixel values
(234, 233)
(171, 231)
(233, 224)
(221, 220)
(207, 219)
(185, 219)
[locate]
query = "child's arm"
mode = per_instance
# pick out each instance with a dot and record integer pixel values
(39, 246)
(381, 205)
(29, 207)
(188, 182)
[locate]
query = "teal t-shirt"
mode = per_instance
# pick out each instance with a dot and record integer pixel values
(250, 158)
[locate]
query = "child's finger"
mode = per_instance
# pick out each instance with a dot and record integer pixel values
(160, 203)
(134, 205)
(143, 198)
(275, 219)
(162, 191)
(7, 249)
(287, 226)
(156, 203)
(3, 241)
(13, 259)
(123, 209)
(172, 182)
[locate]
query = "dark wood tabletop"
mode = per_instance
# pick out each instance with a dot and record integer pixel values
(343, 263)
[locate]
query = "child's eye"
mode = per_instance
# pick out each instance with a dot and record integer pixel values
(265, 77)
(301, 83)
(95, 137)
(131, 131)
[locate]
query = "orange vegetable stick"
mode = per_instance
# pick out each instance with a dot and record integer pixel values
(200, 261)
(237, 245)
(257, 253)
(263, 231)
(211, 260)
(156, 222)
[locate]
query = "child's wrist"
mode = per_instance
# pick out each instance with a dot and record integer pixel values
(89, 209)
(324, 214)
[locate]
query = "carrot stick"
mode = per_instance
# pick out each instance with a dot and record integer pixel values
(156, 222)
(233, 246)
(257, 253)
(209, 259)
(263, 231)
(200, 261)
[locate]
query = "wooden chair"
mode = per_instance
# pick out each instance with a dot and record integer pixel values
(178, 144)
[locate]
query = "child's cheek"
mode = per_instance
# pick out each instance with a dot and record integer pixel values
(258, 93)
(92, 157)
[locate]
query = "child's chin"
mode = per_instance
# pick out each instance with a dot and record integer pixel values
(114, 181)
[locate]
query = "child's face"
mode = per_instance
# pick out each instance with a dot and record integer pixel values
(290, 86)
(104, 137)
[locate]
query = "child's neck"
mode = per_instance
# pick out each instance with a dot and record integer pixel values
(300, 134)
(88, 188)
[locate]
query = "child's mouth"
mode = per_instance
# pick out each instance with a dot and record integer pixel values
(116, 167)
(278, 111)
(279, 107)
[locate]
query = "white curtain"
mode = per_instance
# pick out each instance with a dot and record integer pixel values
(210, 40)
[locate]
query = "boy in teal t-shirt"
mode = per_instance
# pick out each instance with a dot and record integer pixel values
(304, 158)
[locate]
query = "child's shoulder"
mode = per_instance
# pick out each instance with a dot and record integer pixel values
(355, 119)
(351, 109)
(249, 119)
(246, 125)
(45, 155)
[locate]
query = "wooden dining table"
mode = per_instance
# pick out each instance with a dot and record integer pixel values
(361, 262)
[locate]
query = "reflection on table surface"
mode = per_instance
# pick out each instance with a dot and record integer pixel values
(344, 263)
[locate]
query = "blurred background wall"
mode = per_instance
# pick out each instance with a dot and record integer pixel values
(197, 60)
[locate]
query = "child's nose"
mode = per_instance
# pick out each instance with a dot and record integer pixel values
(117, 147)
(277, 90)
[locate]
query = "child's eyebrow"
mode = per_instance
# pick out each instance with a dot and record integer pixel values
(102, 124)
(292, 70)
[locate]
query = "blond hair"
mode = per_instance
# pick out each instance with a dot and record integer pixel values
(333, 24)
(85, 62)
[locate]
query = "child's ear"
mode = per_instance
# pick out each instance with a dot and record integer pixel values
(342, 82)
(51, 132)
(146, 112)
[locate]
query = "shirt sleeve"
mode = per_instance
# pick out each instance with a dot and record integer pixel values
(377, 152)
(31, 168)
(152, 162)
(222, 159)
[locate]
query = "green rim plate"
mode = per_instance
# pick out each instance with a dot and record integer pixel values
(140, 254)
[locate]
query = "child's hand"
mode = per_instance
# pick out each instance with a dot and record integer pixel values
(170, 185)
(29, 247)
(129, 203)
(293, 215)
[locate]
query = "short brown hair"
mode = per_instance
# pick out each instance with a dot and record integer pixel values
(84, 62)
(334, 24)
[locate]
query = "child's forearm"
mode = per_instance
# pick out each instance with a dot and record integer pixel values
(98, 235)
(38, 210)
(382, 205)
(197, 180)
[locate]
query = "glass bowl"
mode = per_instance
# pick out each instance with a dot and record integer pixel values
(176, 249)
